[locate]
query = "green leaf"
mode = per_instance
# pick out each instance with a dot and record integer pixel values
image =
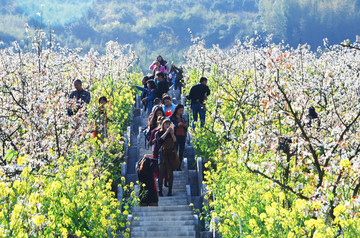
(10, 155)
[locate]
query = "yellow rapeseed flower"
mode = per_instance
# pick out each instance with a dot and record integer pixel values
(64, 232)
(345, 163)
(254, 211)
(316, 205)
(38, 219)
(339, 209)
(253, 223)
(263, 216)
(20, 160)
(25, 173)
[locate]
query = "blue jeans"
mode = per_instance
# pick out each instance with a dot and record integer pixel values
(200, 109)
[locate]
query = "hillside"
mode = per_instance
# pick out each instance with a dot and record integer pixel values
(162, 27)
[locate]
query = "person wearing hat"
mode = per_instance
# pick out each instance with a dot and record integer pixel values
(169, 107)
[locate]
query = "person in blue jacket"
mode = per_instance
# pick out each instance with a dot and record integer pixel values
(151, 91)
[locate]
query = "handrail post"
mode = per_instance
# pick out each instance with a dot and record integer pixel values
(199, 174)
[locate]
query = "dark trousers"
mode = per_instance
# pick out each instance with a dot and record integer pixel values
(180, 147)
(198, 109)
(162, 175)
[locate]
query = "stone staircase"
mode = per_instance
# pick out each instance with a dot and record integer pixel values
(172, 218)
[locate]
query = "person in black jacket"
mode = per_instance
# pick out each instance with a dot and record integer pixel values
(78, 98)
(163, 86)
(198, 94)
(178, 77)
(145, 170)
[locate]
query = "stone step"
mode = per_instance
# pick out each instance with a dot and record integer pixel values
(182, 187)
(178, 189)
(177, 218)
(181, 182)
(173, 202)
(179, 174)
(177, 185)
(174, 197)
(181, 198)
(179, 179)
(163, 223)
(163, 227)
(169, 203)
(149, 234)
(162, 208)
(174, 193)
(152, 214)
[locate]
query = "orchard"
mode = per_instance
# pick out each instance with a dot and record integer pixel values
(282, 138)
(56, 179)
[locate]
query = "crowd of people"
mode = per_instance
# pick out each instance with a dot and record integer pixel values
(166, 129)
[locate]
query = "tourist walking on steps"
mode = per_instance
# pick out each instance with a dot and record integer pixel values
(155, 147)
(169, 107)
(80, 96)
(155, 66)
(163, 63)
(198, 94)
(169, 160)
(151, 91)
(145, 170)
(162, 86)
(177, 77)
(157, 102)
(152, 120)
(143, 93)
(180, 129)
(152, 140)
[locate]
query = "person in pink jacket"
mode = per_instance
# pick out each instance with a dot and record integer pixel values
(156, 65)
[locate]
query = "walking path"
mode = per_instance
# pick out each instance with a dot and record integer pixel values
(173, 217)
